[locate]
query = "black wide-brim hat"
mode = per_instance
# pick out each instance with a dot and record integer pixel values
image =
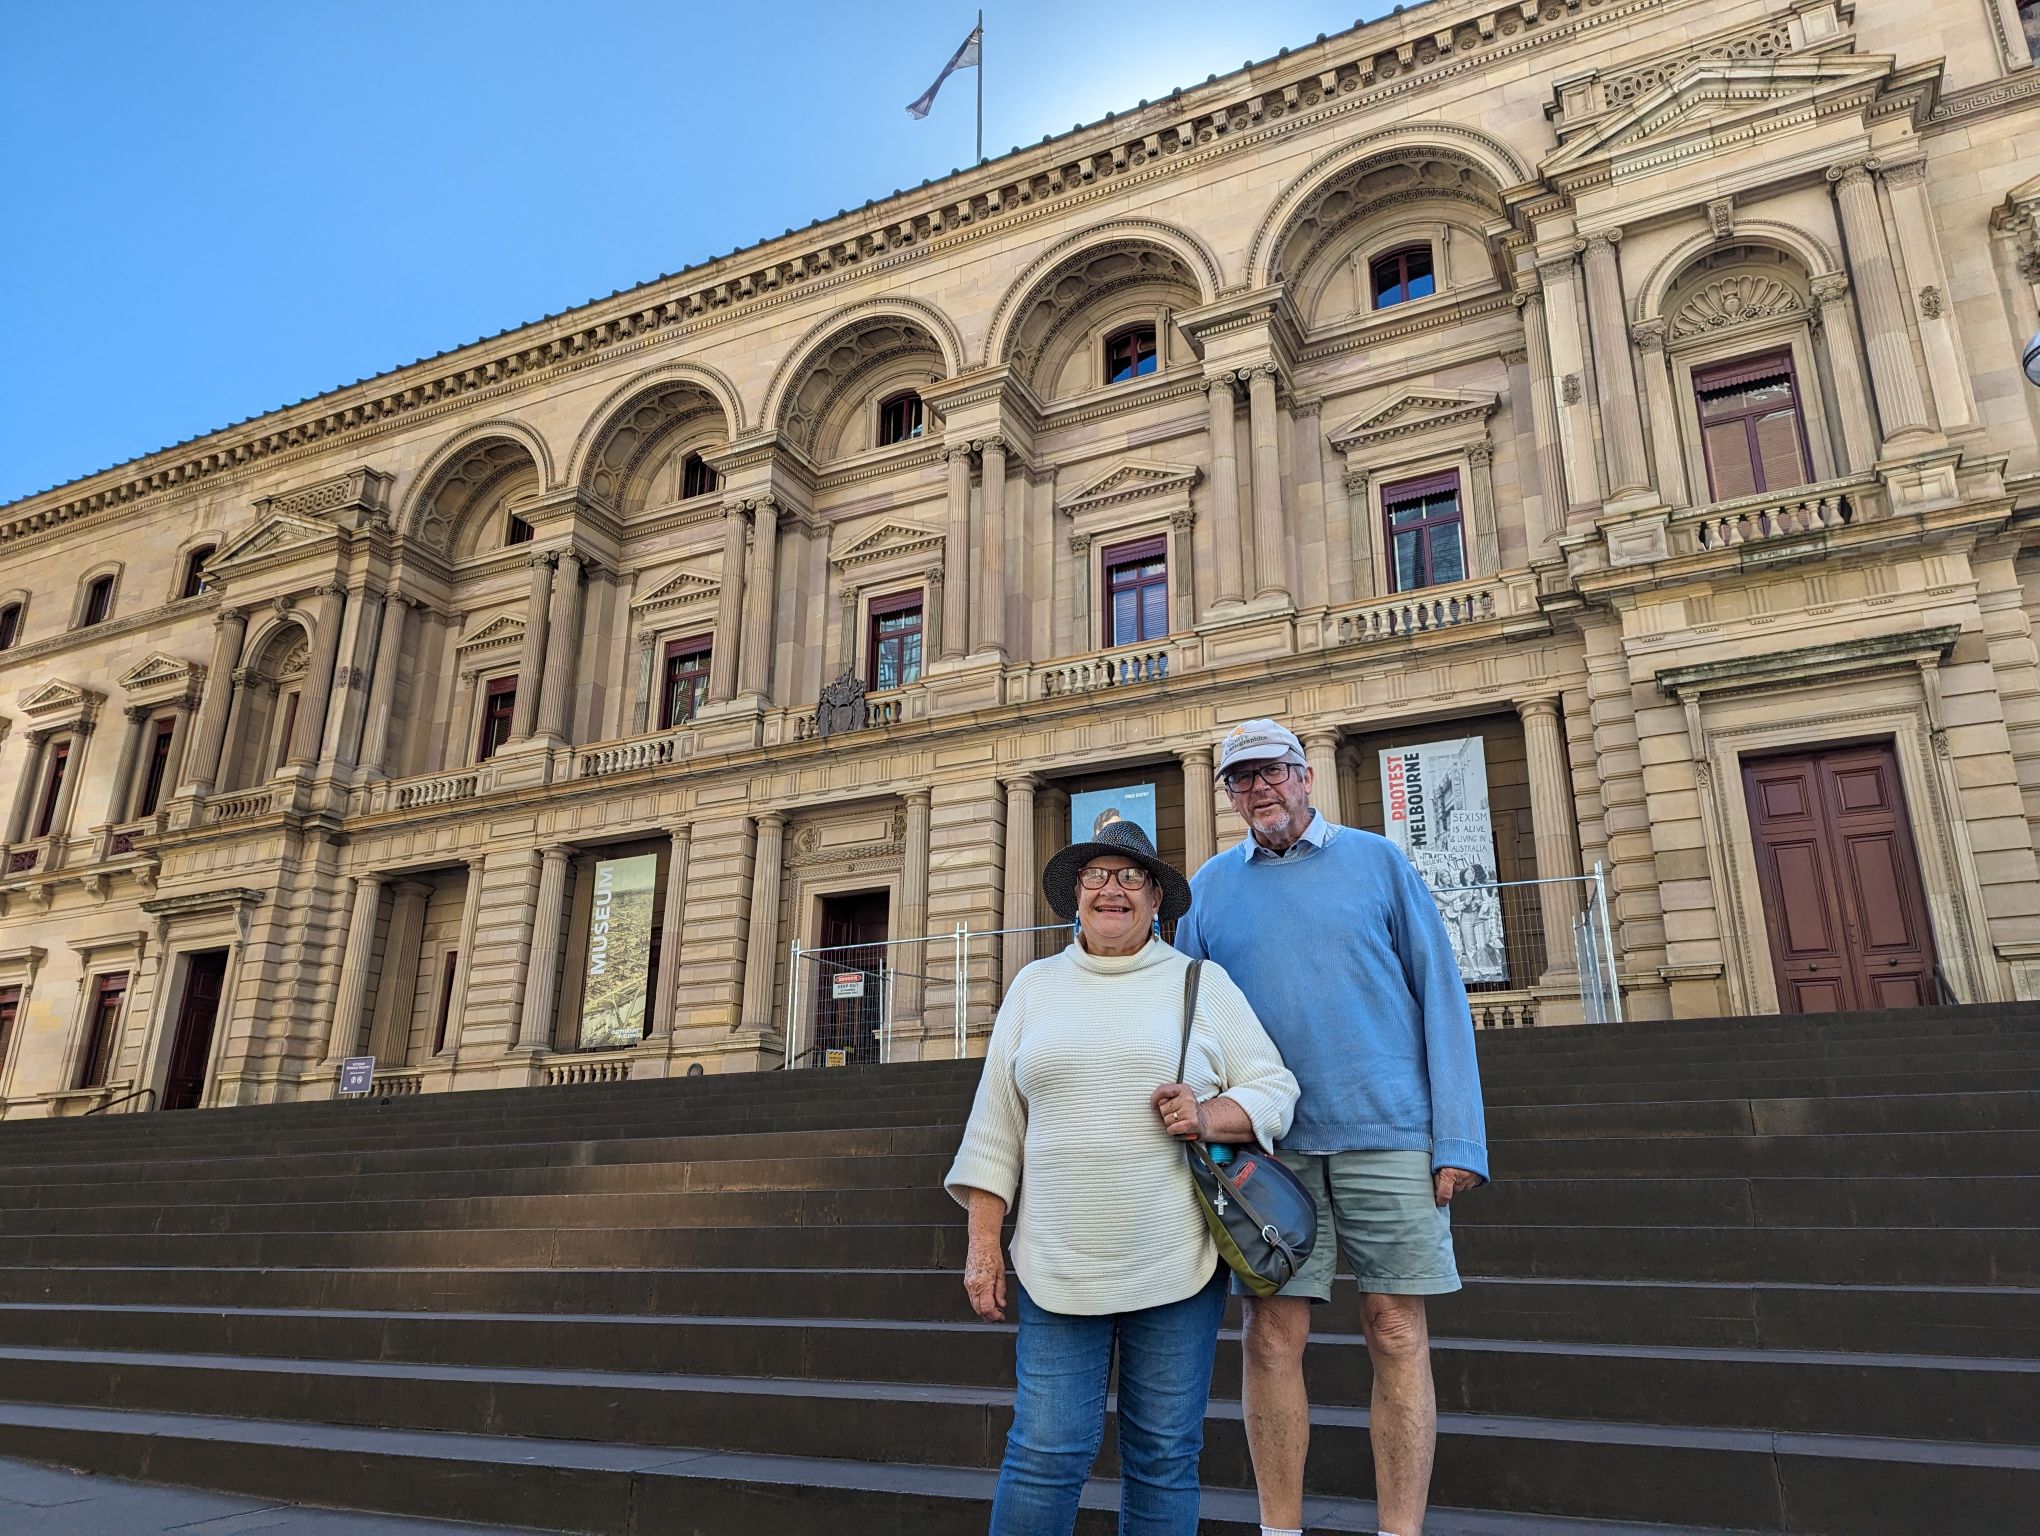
(1059, 875)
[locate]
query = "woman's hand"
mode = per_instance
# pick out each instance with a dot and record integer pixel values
(1182, 1116)
(984, 1280)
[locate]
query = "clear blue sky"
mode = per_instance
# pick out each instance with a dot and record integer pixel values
(213, 208)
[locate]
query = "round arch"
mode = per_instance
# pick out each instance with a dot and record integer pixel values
(800, 361)
(1186, 248)
(1812, 253)
(617, 405)
(456, 455)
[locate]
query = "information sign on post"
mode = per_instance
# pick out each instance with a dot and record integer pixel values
(357, 1075)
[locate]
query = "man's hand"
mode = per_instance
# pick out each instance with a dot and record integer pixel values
(984, 1281)
(1182, 1116)
(1453, 1181)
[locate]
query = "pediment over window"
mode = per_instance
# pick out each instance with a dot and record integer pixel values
(277, 534)
(159, 677)
(679, 590)
(1128, 481)
(888, 541)
(502, 631)
(1715, 103)
(1415, 412)
(57, 702)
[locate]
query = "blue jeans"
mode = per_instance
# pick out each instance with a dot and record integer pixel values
(1062, 1362)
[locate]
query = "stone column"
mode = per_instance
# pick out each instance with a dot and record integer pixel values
(74, 775)
(1551, 826)
(1084, 637)
(1021, 874)
(1845, 366)
(1559, 277)
(389, 1037)
(470, 921)
(988, 609)
(672, 930)
(848, 601)
(1615, 374)
(956, 571)
(1900, 405)
(1321, 750)
(1933, 304)
(26, 786)
(648, 683)
(1543, 423)
(382, 688)
(1225, 493)
(1182, 570)
(932, 618)
(230, 628)
(345, 1033)
(761, 592)
(542, 963)
(1271, 556)
(1649, 336)
(123, 799)
(328, 606)
(729, 610)
(531, 656)
(1200, 827)
(562, 651)
(909, 987)
(761, 951)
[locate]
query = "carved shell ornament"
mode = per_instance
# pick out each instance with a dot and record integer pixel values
(1732, 301)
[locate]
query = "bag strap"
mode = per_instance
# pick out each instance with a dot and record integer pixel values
(1190, 979)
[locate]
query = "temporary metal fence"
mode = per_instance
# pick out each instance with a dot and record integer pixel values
(1535, 951)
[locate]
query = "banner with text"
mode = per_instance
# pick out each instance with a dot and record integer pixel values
(1435, 800)
(616, 989)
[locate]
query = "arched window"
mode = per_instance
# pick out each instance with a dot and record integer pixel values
(899, 418)
(1401, 275)
(516, 530)
(697, 477)
(1129, 353)
(98, 602)
(10, 625)
(194, 571)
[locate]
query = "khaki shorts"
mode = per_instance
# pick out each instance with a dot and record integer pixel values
(1379, 1210)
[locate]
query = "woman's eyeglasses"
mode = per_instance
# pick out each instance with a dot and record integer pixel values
(1133, 878)
(1274, 775)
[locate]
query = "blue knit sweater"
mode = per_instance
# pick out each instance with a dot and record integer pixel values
(1339, 947)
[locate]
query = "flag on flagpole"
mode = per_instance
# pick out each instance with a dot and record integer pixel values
(966, 58)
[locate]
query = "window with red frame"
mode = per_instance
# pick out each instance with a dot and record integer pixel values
(499, 706)
(1130, 353)
(1425, 538)
(1400, 276)
(1751, 427)
(697, 478)
(683, 687)
(194, 571)
(1137, 592)
(58, 765)
(899, 418)
(10, 625)
(98, 601)
(155, 766)
(894, 641)
(10, 1010)
(108, 994)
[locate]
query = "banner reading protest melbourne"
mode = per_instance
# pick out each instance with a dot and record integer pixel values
(616, 991)
(1436, 810)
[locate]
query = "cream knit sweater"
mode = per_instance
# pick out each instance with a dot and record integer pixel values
(1108, 1218)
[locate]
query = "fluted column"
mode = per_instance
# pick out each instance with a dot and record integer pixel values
(382, 688)
(729, 610)
(1543, 422)
(1845, 367)
(1649, 336)
(563, 648)
(1615, 375)
(1200, 825)
(328, 604)
(1225, 492)
(956, 571)
(1271, 558)
(345, 1033)
(122, 803)
(389, 1037)
(531, 657)
(542, 961)
(1021, 873)
(1559, 277)
(672, 930)
(761, 951)
(25, 787)
(1900, 404)
(988, 611)
(910, 983)
(761, 593)
(1321, 751)
(1551, 826)
(470, 922)
(230, 628)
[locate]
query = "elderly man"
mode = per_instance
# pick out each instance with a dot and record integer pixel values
(1339, 947)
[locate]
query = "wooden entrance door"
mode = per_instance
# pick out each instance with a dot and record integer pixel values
(1843, 903)
(191, 1048)
(853, 944)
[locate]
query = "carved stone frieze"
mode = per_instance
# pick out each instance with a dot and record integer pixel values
(1734, 300)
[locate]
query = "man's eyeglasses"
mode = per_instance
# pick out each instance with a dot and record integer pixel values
(1274, 775)
(1132, 878)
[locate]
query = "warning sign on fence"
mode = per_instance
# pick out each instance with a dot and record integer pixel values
(848, 984)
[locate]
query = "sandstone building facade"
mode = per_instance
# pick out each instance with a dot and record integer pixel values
(1631, 383)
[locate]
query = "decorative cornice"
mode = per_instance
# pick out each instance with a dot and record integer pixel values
(1129, 481)
(98, 634)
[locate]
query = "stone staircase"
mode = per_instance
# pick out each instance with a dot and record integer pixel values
(1766, 1275)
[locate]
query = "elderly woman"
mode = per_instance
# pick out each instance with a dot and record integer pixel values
(1079, 1112)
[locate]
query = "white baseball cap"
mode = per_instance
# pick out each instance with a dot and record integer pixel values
(1257, 741)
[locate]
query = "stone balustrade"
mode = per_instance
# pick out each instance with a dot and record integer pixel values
(1805, 509)
(602, 759)
(607, 1069)
(1146, 664)
(397, 1083)
(1503, 1010)
(245, 806)
(889, 709)
(1421, 612)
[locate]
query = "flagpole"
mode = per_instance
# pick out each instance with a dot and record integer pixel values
(981, 88)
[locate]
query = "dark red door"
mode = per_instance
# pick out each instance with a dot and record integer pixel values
(191, 1049)
(853, 945)
(1843, 902)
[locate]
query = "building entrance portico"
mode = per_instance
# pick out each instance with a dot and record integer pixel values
(205, 976)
